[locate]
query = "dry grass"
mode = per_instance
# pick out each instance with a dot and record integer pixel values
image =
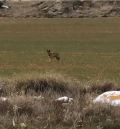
(23, 107)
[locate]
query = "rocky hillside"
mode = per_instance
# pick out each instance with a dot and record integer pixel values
(61, 9)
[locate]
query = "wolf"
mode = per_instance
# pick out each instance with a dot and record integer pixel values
(52, 55)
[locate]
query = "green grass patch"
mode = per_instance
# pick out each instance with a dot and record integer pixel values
(89, 48)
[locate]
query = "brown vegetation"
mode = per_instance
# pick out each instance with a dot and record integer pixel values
(25, 106)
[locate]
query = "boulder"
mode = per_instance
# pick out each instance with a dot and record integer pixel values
(109, 97)
(46, 4)
(58, 5)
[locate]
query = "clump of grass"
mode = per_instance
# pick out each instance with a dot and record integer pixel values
(23, 107)
(5, 107)
(100, 88)
(45, 83)
(97, 88)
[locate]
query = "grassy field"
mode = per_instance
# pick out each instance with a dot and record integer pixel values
(89, 51)
(89, 48)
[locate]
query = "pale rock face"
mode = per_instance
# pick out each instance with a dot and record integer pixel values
(58, 5)
(109, 97)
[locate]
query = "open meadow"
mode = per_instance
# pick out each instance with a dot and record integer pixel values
(89, 48)
(89, 65)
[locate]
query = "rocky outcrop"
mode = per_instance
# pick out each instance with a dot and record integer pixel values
(62, 9)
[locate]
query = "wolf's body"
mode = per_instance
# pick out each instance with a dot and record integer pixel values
(53, 55)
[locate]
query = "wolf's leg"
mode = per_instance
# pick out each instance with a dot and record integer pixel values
(50, 59)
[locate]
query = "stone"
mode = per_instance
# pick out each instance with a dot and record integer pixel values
(58, 5)
(109, 97)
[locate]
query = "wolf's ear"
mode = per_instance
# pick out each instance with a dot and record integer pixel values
(48, 50)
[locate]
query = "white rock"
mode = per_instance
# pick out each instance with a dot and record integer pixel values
(4, 99)
(110, 97)
(65, 99)
(3, 6)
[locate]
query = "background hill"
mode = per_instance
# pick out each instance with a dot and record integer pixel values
(62, 9)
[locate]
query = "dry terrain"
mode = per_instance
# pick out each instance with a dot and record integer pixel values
(59, 9)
